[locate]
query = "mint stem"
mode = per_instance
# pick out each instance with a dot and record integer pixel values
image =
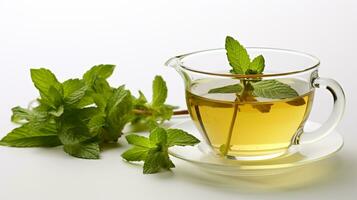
(147, 112)
(231, 127)
(239, 97)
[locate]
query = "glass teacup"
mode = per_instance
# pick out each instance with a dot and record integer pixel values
(252, 128)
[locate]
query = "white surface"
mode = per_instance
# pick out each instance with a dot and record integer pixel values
(69, 36)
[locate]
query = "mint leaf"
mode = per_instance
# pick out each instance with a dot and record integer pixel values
(84, 114)
(297, 102)
(136, 153)
(158, 136)
(159, 91)
(87, 150)
(102, 87)
(236, 88)
(180, 138)
(43, 79)
(101, 101)
(141, 100)
(86, 100)
(118, 112)
(162, 113)
(74, 90)
(22, 115)
(264, 108)
(98, 72)
(96, 124)
(54, 97)
(257, 64)
(32, 135)
(74, 125)
(273, 89)
(139, 141)
(237, 56)
(156, 160)
(57, 112)
(72, 134)
(72, 130)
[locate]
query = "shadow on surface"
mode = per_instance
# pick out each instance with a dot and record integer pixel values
(315, 174)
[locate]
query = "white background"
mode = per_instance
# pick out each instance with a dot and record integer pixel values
(69, 36)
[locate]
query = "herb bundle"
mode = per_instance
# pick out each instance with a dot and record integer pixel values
(85, 114)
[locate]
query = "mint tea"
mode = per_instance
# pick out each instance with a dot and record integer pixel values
(251, 126)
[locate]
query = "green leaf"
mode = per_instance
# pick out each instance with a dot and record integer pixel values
(72, 130)
(136, 153)
(53, 98)
(58, 112)
(118, 112)
(22, 115)
(102, 87)
(32, 135)
(43, 79)
(156, 160)
(87, 150)
(236, 88)
(159, 90)
(180, 138)
(143, 123)
(84, 114)
(273, 89)
(153, 112)
(98, 72)
(264, 108)
(163, 112)
(100, 100)
(71, 134)
(158, 136)
(237, 56)
(257, 64)
(96, 124)
(74, 90)
(297, 102)
(141, 100)
(140, 141)
(86, 100)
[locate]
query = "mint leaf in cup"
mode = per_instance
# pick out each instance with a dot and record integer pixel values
(257, 65)
(237, 56)
(236, 88)
(273, 89)
(241, 64)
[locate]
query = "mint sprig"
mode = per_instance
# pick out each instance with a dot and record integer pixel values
(250, 88)
(84, 114)
(154, 150)
(239, 59)
(151, 114)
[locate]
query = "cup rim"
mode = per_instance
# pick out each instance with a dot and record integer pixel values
(315, 65)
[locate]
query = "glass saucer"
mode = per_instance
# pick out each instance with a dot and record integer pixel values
(297, 156)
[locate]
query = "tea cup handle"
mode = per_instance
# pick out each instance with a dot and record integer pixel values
(337, 112)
